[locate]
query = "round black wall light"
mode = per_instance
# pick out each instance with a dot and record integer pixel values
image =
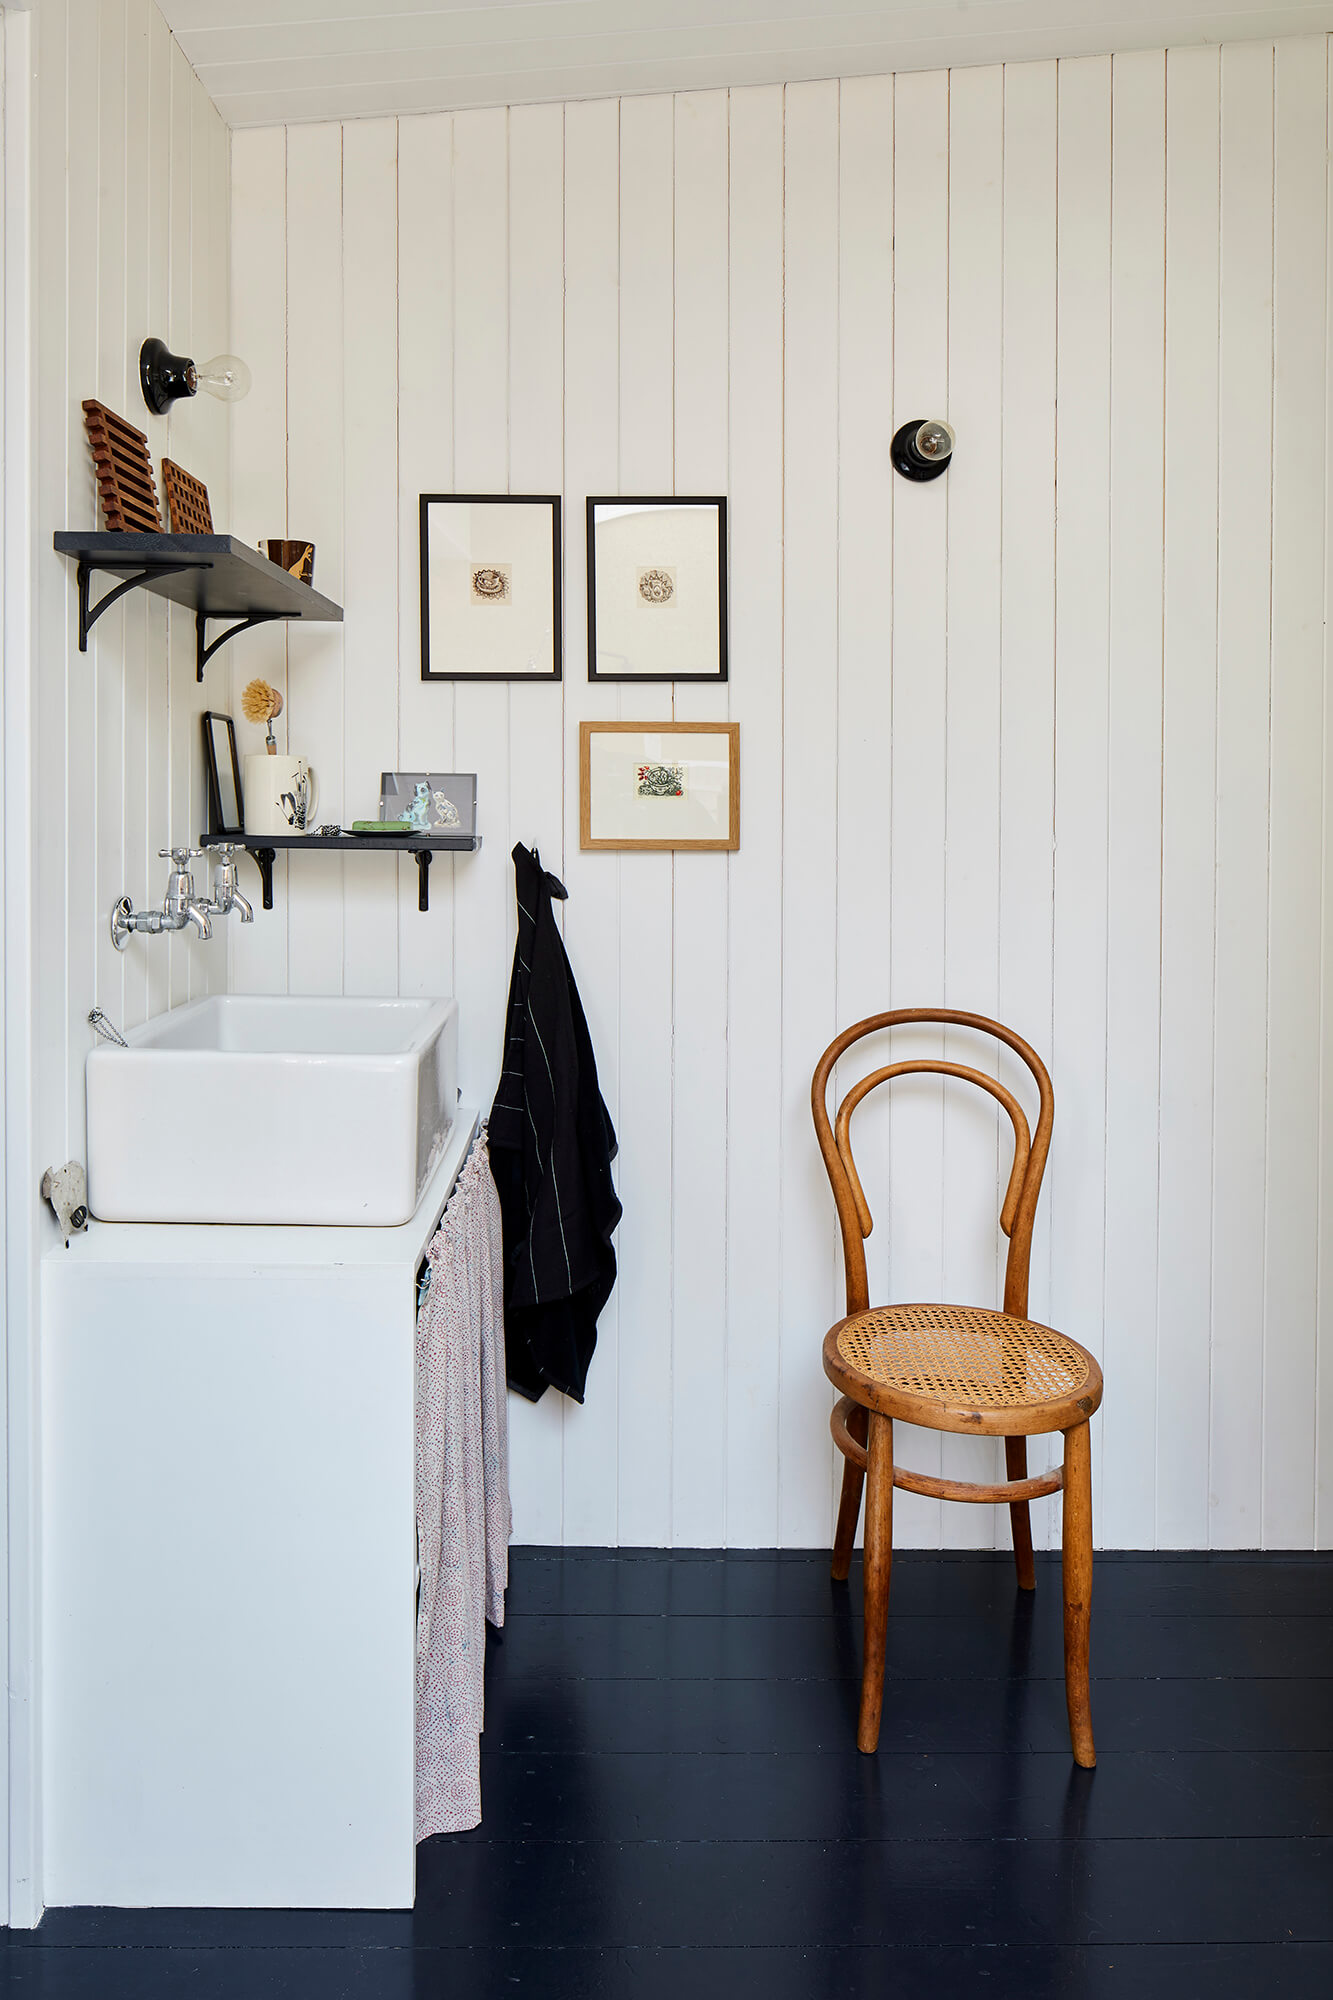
(922, 449)
(165, 377)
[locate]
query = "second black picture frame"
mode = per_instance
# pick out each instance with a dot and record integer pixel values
(657, 588)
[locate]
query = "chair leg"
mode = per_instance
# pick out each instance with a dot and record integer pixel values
(1077, 1569)
(877, 1564)
(849, 1511)
(1016, 1467)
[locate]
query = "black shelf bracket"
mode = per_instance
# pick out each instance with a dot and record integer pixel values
(423, 877)
(264, 859)
(90, 613)
(203, 654)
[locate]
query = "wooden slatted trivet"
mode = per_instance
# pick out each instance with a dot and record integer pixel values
(124, 472)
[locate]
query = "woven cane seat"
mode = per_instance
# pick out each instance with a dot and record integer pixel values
(963, 1368)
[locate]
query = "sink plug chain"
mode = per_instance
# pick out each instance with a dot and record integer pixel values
(108, 1030)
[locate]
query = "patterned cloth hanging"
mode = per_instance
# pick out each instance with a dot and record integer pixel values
(462, 1488)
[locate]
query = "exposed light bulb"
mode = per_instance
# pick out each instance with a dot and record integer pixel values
(934, 440)
(225, 376)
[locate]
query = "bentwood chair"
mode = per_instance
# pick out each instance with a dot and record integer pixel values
(955, 1368)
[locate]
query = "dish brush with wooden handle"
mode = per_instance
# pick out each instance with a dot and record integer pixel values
(262, 703)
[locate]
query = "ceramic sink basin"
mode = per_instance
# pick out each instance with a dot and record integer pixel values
(249, 1108)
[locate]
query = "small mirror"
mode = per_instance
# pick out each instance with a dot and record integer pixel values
(225, 811)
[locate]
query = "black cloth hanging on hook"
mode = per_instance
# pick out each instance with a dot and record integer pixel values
(551, 1146)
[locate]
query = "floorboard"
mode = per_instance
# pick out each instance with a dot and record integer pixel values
(674, 1806)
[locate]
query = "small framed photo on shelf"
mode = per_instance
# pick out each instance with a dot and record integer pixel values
(657, 590)
(430, 801)
(490, 587)
(226, 808)
(659, 785)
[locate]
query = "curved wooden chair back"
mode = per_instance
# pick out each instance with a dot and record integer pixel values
(1030, 1148)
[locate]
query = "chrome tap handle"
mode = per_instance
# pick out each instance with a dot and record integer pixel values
(181, 856)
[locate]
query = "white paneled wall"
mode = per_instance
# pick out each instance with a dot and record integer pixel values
(1045, 739)
(130, 239)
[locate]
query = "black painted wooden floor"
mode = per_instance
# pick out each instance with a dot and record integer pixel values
(674, 1809)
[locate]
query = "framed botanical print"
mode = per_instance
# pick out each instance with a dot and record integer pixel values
(657, 589)
(490, 587)
(659, 784)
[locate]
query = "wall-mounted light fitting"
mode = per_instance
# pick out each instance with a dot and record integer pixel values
(166, 376)
(922, 449)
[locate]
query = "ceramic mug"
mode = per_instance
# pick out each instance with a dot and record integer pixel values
(281, 794)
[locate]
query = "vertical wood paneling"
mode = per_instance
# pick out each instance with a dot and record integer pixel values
(755, 946)
(259, 493)
(865, 611)
(179, 338)
(1075, 1177)
(158, 671)
(1027, 702)
(536, 761)
(972, 798)
(1189, 724)
(110, 645)
(89, 967)
(644, 1170)
(425, 449)
(371, 565)
(60, 488)
(1240, 1044)
(699, 1123)
(115, 109)
(1006, 739)
(315, 463)
(809, 835)
(1292, 1183)
(137, 776)
(595, 1434)
(1133, 918)
(920, 667)
(483, 888)
(204, 437)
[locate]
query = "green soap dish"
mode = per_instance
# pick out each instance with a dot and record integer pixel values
(382, 829)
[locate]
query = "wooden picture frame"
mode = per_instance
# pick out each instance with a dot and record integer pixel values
(683, 794)
(226, 801)
(657, 608)
(490, 587)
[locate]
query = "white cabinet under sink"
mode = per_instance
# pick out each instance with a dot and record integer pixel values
(228, 1518)
(273, 1109)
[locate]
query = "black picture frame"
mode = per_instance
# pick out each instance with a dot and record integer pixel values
(713, 678)
(436, 672)
(219, 821)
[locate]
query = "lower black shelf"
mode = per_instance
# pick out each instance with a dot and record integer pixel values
(421, 846)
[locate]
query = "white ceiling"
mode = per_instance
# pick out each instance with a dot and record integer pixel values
(270, 61)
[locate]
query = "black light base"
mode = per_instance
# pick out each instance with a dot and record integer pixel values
(908, 460)
(164, 376)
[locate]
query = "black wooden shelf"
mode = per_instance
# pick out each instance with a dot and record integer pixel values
(421, 846)
(214, 575)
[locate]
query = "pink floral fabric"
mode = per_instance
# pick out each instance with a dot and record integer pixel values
(462, 1488)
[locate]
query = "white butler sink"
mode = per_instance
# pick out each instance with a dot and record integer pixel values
(245, 1108)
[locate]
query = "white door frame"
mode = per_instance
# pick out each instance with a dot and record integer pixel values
(20, 1831)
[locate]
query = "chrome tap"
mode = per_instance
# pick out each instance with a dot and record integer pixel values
(226, 896)
(180, 905)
